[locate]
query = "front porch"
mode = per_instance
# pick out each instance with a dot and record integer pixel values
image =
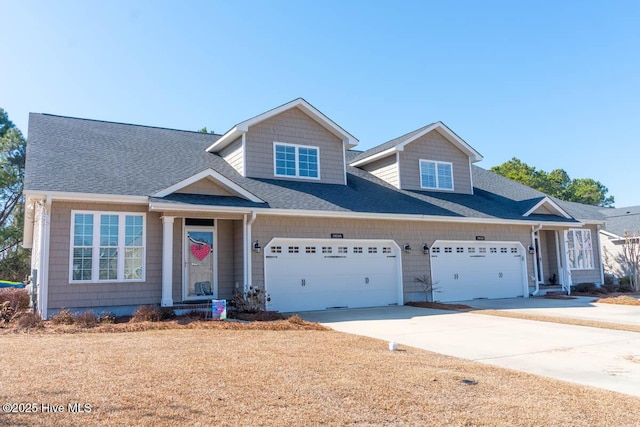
(203, 258)
(551, 275)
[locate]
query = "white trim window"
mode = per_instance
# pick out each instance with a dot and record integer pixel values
(436, 175)
(579, 249)
(107, 247)
(296, 161)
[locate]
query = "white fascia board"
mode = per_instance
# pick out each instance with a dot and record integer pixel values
(180, 207)
(210, 173)
(554, 206)
(375, 157)
(590, 221)
(86, 197)
(609, 234)
(349, 140)
(406, 217)
(225, 140)
(183, 207)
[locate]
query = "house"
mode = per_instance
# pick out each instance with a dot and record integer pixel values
(120, 215)
(621, 225)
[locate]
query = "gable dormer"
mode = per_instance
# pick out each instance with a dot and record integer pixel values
(432, 158)
(546, 206)
(292, 142)
(210, 183)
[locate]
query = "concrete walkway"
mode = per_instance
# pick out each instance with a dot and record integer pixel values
(602, 358)
(582, 308)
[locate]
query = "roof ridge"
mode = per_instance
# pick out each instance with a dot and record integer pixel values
(124, 124)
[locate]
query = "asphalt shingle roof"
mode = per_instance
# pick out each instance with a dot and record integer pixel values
(389, 144)
(621, 220)
(89, 156)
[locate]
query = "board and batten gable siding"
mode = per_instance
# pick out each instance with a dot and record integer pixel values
(206, 187)
(386, 169)
(80, 295)
(234, 155)
(434, 146)
(414, 264)
(544, 210)
(293, 127)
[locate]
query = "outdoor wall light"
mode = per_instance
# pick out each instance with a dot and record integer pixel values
(425, 249)
(531, 250)
(407, 248)
(256, 247)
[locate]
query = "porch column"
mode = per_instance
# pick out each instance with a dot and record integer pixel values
(167, 261)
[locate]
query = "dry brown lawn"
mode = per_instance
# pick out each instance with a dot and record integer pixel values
(216, 376)
(621, 299)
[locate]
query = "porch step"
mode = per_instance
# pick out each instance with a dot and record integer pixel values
(552, 290)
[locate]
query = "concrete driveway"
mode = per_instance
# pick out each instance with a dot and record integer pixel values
(602, 358)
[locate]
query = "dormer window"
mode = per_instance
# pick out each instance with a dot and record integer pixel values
(296, 161)
(436, 175)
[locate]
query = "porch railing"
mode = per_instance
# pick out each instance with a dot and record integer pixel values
(566, 280)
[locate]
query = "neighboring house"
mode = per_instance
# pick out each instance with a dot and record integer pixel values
(120, 215)
(621, 224)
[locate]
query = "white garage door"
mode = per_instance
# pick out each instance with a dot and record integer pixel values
(466, 270)
(303, 274)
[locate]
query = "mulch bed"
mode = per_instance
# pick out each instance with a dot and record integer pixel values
(439, 305)
(562, 297)
(261, 316)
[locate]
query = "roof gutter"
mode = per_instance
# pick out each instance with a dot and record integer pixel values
(174, 207)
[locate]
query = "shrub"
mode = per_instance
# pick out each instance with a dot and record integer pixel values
(195, 314)
(107, 317)
(88, 319)
(29, 320)
(610, 287)
(585, 288)
(601, 290)
(18, 298)
(63, 317)
(7, 312)
(167, 313)
(625, 288)
(626, 280)
(147, 313)
(252, 301)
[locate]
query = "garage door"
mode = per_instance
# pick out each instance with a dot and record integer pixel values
(303, 274)
(465, 270)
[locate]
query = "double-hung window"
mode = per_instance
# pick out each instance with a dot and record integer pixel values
(579, 249)
(436, 175)
(298, 161)
(107, 247)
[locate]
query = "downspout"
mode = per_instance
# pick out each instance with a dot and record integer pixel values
(534, 230)
(598, 227)
(43, 289)
(247, 250)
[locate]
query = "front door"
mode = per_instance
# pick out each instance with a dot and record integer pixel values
(199, 266)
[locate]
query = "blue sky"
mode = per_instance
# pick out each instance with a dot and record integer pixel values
(554, 83)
